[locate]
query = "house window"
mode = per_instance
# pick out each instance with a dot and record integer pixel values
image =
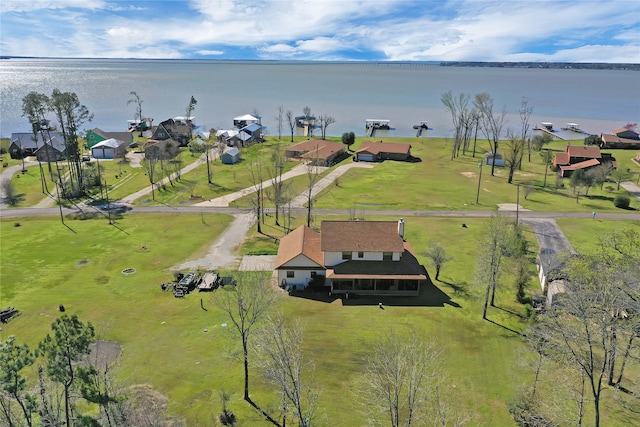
(387, 256)
(314, 274)
(346, 256)
(291, 274)
(360, 254)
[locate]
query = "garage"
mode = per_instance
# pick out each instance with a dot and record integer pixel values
(365, 157)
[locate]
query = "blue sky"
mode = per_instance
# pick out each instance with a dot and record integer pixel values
(381, 30)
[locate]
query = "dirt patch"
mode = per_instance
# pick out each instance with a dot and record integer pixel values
(102, 354)
(82, 263)
(469, 174)
(128, 271)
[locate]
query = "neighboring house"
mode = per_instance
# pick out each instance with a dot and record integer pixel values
(23, 145)
(372, 151)
(246, 120)
(52, 150)
(316, 151)
(621, 138)
(582, 157)
(231, 137)
(178, 129)
(165, 149)
(253, 131)
(359, 257)
(109, 149)
(97, 135)
(231, 156)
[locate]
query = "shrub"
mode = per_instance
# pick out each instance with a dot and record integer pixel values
(621, 201)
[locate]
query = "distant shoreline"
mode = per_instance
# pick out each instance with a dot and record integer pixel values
(538, 65)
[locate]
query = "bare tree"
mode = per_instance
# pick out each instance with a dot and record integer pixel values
(255, 170)
(325, 120)
(525, 115)
(34, 107)
(190, 107)
(278, 163)
(291, 122)
(493, 242)
(246, 306)
(400, 378)
(457, 107)
(491, 122)
(280, 121)
(513, 153)
(280, 358)
(151, 156)
(138, 102)
(438, 256)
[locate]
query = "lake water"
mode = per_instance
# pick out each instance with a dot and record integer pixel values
(404, 93)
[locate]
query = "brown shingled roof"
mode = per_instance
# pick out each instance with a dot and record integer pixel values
(321, 148)
(361, 236)
(561, 159)
(581, 165)
(592, 151)
(301, 241)
(375, 147)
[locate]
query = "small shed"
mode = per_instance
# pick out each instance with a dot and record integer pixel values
(495, 157)
(108, 149)
(231, 156)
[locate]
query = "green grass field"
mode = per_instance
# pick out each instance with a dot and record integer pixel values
(44, 264)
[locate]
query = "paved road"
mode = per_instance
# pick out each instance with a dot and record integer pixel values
(549, 235)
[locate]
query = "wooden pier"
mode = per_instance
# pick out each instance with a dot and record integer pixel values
(423, 126)
(372, 124)
(547, 127)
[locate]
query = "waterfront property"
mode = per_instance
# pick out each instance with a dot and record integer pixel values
(97, 135)
(377, 151)
(51, 146)
(582, 157)
(179, 129)
(317, 151)
(359, 257)
(109, 149)
(620, 138)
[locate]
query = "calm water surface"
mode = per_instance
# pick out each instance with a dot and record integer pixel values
(405, 94)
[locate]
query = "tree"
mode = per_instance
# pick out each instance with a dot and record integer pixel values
(190, 107)
(592, 140)
(525, 115)
(460, 115)
(620, 175)
(63, 350)
(71, 116)
(348, 139)
(151, 156)
(491, 122)
(438, 256)
(513, 153)
(291, 122)
(280, 121)
(138, 102)
(325, 121)
(34, 107)
(278, 163)
(13, 359)
(539, 141)
(255, 170)
(247, 305)
(280, 358)
(493, 246)
(399, 380)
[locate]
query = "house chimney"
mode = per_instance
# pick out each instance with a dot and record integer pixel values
(401, 228)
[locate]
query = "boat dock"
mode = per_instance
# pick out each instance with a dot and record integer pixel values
(574, 127)
(547, 127)
(371, 125)
(423, 126)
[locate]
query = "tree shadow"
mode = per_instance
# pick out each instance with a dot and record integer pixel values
(509, 311)
(458, 289)
(504, 327)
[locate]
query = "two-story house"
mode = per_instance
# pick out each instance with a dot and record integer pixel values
(359, 257)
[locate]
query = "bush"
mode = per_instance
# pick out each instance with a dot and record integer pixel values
(622, 202)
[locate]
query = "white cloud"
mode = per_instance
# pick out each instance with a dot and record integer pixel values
(33, 5)
(210, 52)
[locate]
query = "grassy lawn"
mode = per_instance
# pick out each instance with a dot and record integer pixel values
(588, 242)
(438, 183)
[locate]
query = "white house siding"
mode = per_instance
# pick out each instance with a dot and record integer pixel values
(300, 279)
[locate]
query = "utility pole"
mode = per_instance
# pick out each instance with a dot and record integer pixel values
(518, 205)
(479, 181)
(546, 168)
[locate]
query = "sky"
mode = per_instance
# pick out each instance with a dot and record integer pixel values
(325, 30)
